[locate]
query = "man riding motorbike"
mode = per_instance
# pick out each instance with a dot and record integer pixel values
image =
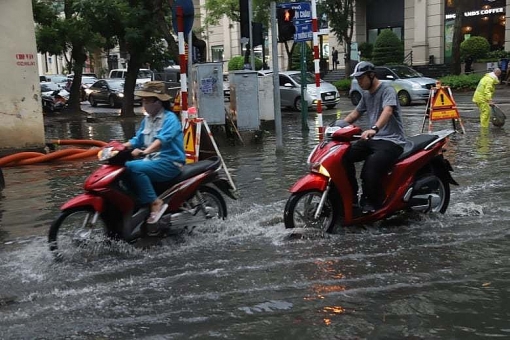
(381, 145)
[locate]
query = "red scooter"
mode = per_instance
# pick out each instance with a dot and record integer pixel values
(419, 181)
(109, 208)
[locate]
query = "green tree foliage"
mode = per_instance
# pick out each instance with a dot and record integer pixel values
(61, 30)
(297, 57)
(388, 49)
(366, 49)
(237, 63)
(476, 46)
(139, 28)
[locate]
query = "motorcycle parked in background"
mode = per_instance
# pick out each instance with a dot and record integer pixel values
(419, 181)
(109, 208)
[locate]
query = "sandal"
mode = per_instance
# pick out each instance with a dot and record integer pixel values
(156, 215)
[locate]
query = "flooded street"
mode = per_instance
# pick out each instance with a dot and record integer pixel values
(409, 277)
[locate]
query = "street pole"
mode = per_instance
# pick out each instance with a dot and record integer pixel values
(304, 103)
(250, 19)
(276, 81)
(315, 29)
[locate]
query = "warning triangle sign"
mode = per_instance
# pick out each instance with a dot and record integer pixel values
(189, 140)
(442, 99)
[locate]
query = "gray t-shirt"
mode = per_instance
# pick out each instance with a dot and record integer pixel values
(374, 103)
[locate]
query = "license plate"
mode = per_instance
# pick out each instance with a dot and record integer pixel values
(329, 97)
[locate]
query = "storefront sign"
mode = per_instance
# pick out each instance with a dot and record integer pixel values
(483, 12)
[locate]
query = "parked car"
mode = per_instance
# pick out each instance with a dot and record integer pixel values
(144, 75)
(59, 79)
(290, 91)
(110, 91)
(86, 82)
(410, 85)
(53, 97)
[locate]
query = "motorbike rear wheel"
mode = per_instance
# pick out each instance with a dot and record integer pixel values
(73, 229)
(437, 199)
(213, 203)
(300, 211)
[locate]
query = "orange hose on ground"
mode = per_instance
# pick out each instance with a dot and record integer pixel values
(78, 142)
(26, 158)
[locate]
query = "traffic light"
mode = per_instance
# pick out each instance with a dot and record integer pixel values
(286, 28)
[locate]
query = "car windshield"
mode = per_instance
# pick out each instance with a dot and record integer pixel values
(405, 72)
(310, 79)
(85, 80)
(144, 74)
(49, 87)
(116, 85)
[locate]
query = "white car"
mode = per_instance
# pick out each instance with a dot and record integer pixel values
(290, 90)
(410, 85)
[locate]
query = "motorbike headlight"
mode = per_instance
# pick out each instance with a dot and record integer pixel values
(318, 168)
(120, 95)
(106, 153)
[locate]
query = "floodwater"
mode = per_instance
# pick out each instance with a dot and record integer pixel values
(434, 277)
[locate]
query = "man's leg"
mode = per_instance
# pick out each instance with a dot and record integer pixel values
(384, 156)
(485, 114)
(358, 152)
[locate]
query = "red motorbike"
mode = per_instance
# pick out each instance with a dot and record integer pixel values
(109, 208)
(419, 181)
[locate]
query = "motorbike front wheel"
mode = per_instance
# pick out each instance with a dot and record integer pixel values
(301, 208)
(75, 228)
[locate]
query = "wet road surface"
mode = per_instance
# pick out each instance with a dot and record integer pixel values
(409, 277)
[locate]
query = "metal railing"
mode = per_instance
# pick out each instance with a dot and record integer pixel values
(408, 59)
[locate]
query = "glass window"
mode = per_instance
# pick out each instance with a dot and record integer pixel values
(217, 53)
(372, 35)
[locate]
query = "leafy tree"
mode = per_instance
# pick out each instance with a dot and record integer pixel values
(237, 63)
(476, 47)
(297, 57)
(216, 9)
(388, 49)
(139, 28)
(341, 22)
(65, 34)
(461, 6)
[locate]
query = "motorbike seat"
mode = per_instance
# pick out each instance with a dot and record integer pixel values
(415, 144)
(188, 171)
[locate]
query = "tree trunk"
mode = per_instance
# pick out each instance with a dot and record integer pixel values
(79, 57)
(130, 84)
(457, 40)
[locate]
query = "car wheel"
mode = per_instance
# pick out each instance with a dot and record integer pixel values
(297, 104)
(92, 101)
(355, 97)
(404, 98)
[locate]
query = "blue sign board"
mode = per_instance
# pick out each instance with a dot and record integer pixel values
(303, 32)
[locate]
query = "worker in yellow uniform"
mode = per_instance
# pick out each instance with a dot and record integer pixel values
(483, 95)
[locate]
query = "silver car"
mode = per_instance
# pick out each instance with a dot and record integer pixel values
(290, 90)
(410, 85)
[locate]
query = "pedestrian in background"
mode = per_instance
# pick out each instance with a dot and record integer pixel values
(334, 54)
(483, 95)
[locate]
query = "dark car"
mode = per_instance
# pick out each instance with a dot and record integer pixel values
(110, 91)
